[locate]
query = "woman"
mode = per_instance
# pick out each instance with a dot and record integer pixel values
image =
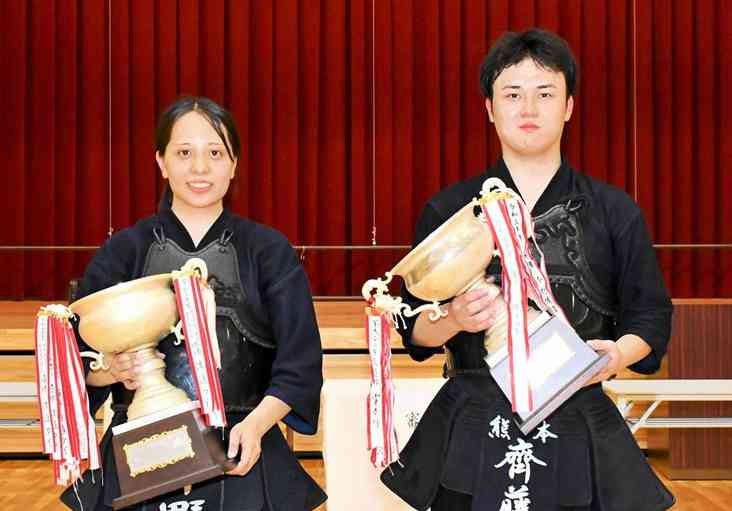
(268, 337)
(466, 452)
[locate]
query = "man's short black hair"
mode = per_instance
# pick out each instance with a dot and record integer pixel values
(546, 49)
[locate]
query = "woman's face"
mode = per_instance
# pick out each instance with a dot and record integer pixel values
(196, 164)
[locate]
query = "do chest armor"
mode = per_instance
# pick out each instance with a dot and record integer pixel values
(245, 341)
(589, 306)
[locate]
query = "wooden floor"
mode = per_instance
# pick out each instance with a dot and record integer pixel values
(25, 485)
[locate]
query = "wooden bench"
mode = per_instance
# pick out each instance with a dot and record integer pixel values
(628, 392)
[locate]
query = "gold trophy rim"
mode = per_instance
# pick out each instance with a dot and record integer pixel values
(116, 290)
(443, 234)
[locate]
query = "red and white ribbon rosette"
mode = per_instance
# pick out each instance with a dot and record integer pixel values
(67, 427)
(198, 318)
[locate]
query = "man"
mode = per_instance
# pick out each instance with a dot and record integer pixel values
(466, 452)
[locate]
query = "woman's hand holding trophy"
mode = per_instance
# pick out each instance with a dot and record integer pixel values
(125, 367)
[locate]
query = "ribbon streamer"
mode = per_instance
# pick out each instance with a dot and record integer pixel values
(383, 445)
(199, 345)
(67, 427)
(510, 223)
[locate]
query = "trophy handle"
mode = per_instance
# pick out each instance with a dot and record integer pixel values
(435, 311)
(98, 361)
(376, 293)
(178, 331)
(490, 184)
(373, 288)
(196, 264)
(492, 189)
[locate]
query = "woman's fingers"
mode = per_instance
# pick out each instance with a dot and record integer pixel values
(131, 384)
(249, 455)
(127, 368)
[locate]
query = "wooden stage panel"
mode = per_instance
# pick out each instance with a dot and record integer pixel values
(16, 339)
(24, 409)
(16, 439)
(701, 347)
(19, 410)
(17, 368)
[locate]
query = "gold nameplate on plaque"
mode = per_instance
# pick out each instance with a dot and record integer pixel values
(158, 451)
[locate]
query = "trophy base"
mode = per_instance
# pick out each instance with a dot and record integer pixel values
(560, 364)
(528, 422)
(164, 452)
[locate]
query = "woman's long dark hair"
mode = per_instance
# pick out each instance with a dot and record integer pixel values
(218, 117)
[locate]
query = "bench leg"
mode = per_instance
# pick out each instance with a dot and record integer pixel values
(624, 406)
(642, 421)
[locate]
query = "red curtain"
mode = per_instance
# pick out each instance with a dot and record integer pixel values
(684, 149)
(54, 93)
(320, 87)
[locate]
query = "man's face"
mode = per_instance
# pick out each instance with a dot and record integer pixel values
(529, 108)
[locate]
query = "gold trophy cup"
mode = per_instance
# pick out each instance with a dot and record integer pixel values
(165, 444)
(133, 317)
(451, 261)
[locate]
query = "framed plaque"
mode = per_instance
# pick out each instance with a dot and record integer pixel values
(163, 452)
(560, 363)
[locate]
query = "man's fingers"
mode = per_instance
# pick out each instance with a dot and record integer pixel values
(599, 377)
(480, 319)
(475, 294)
(483, 325)
(592, 381)
(124, 364)
(597, 344)
(479, 305)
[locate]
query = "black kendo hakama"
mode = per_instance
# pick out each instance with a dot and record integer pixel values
(467, 450)
(269, 344)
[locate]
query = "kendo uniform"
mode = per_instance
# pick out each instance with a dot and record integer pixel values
(269, 343)
(467, 452)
